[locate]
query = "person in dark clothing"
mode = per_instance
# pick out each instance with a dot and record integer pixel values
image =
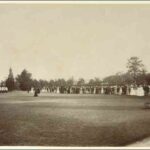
(36, 92)
(146, 90)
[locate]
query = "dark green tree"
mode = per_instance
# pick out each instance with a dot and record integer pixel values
(91, 82)
(60, 82)
(51, 83)
(135, 68)
(24, 80)
(97, 81)
(81, 82)
(70, 82)
(10, 82)
(147, 78)
(43, 83)
(35, 83)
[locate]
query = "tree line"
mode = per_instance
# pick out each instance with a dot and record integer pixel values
(136, 74)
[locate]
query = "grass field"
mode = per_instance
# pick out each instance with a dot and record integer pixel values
(72, 120)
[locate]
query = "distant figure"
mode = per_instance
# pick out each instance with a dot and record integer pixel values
(6, 89)
(36, 92)
(115, 89)
(32, 90)
(118, 89)
(128, 90)
(146, 90)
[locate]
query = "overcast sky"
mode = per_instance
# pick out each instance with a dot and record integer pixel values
(61, 41)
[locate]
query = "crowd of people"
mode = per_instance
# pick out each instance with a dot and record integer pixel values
(140, 90)
(3, 89)
(133, 90)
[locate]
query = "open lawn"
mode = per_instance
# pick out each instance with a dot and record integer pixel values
(72, 120)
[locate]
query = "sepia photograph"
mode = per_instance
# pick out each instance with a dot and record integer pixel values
(75, 74)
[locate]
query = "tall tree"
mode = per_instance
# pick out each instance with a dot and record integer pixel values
(148, 78)
(35, 83)
(91, 82)
(51, 83)
(43, 83)
(70, 82)
(97, 81)
(10, 82)
(81, 82)
(24, 80)
(60, 82)
(135, 67)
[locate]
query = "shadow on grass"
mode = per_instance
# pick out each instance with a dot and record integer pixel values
(38, 130)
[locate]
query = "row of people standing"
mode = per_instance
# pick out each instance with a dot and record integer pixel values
(128, 90)
(109, 90)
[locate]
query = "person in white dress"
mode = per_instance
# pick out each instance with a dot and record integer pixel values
(140, 91)
(120, 90)
(115, 89)
(3, 89)
(57, 91)
(102, 90)
(132, 92)
(32, 90)
(127, 92)
(94, 90)
(81, 91)
(71, 90)
(149, 90)
(135, 90)
(0, 89)
(6, 89)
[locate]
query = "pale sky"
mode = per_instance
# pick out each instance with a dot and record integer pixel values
(64, 40)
